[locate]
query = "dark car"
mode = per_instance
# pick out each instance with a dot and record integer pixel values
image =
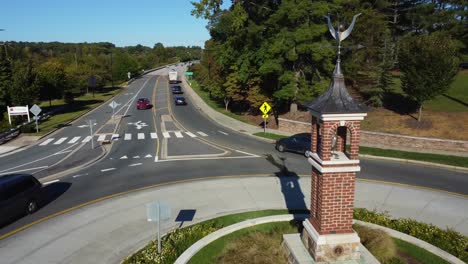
(143, 103)
(177, 90)
(179, 100)
(299, 143)
(19, 194)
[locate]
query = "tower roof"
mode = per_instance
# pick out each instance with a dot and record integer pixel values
(336, 99)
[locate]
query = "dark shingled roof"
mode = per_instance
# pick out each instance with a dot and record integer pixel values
(336, 99)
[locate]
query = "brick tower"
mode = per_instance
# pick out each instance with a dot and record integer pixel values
(336, 117)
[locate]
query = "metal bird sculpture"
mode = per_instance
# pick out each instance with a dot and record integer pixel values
(340, 36)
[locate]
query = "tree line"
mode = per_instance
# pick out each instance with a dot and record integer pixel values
(280, 51)
(31, 72)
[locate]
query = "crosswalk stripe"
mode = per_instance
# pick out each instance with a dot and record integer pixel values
(154, 135)
(60, 141)
(202, 134)
(47, 142)
(87, 139)
(166, 135)
(101, 138)
(115, 137)
(178, 134)
(128, 136)
(74, 140)
(141, 136)
(191, 134)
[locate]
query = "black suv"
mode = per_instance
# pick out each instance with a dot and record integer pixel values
(19, 194)
(177, 90)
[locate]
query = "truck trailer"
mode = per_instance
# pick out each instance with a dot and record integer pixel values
(173, 76)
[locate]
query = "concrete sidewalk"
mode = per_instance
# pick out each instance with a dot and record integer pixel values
(107, 231)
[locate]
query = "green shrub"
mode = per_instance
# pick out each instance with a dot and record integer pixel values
(172, 246)
(378, 242)
(448, 240)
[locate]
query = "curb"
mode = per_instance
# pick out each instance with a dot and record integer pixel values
(415, 241)
(429, 164)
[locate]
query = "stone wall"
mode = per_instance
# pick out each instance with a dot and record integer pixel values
(391, 141)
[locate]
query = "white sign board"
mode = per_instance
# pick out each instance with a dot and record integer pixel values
(113, 104)
(17, 110)
(157, 211)
(129, 75)
(35, 110)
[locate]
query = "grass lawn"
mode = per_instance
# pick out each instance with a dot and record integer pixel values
(257, 244)
(269, 135)
(81, 105)
(408, 250)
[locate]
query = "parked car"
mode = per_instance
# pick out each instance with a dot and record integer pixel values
(179, 100)
(143, 103)
(299, 143)
(19, 194)
(177, 89)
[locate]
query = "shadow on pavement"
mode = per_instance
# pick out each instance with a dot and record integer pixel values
(53, 191)
(290, 187)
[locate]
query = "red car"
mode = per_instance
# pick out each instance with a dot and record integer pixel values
(143, 103)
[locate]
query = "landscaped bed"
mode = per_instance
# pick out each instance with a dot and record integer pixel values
(179, 240)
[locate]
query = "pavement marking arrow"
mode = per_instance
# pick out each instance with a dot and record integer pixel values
(136, 157)
(139, 124)
(148, 156)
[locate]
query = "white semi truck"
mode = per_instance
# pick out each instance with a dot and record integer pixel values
(173, 76)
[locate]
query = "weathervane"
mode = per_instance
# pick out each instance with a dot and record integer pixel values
(340, 36)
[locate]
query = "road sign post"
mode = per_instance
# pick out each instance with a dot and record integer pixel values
(35, 110)
(113, 105)
(91, 123)
(265, 108)
(156, 212)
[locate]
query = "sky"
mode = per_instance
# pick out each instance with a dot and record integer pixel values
(124, 23)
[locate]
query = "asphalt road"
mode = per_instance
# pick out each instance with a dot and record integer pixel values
(170, 143)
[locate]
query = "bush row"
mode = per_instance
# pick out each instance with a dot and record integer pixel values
(448, 239)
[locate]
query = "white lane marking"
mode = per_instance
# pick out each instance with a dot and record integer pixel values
(80, 175)
(202, 134)
(212, 158)
(128, 136)
(136, 157)
(154, 135)
(130, 102)
(36, 168)
(49, 182)
(246, 153)
(190, 134)
(109, 169)
(178, 134)
(148, 156)
(74, 140)
(124, 157)
(60, 141)
(47, 142)
(46, 157)
(141, 136)
(87, 139)
(101, 138)
(224, 133)
(135, 164)
(156, 159)
(63, 152)
(166, 135)
(115, 137)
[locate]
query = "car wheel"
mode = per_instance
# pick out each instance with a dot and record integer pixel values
(31, 207)
(281, 148)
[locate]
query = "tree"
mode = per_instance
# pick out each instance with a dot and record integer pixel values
(6, 77)
(428, 64)
(24, 89)
(52, 80)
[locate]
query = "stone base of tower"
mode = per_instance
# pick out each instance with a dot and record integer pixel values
(330, 248)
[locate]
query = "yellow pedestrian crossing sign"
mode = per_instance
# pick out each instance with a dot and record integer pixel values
(265, 116)
(265, 108)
